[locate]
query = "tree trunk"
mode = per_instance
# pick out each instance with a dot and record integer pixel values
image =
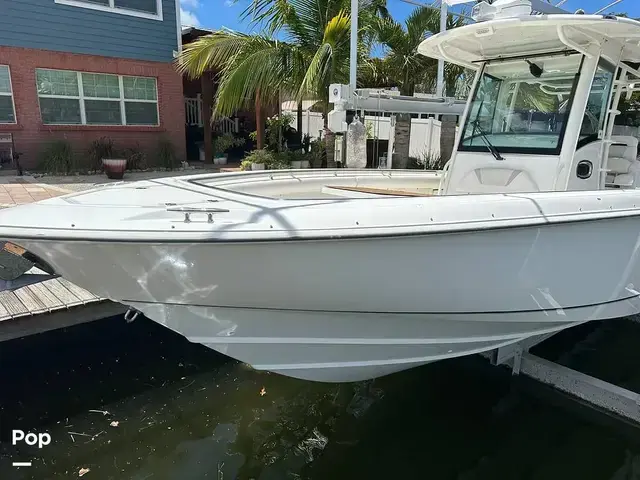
(259, 123)
(403, 133)
(206, 85)
(447, 138)
(299, 122)
(279, 110)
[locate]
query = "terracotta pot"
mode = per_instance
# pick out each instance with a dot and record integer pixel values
(114, 167)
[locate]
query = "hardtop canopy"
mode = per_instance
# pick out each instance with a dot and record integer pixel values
(525, 35)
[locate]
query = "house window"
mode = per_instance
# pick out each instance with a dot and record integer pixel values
(81, 98)
(7, 110)
(137, 8)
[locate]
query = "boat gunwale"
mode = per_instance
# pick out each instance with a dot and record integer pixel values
(279, 236)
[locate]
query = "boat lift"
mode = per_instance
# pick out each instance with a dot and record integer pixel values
(594, 392)
(357, 101)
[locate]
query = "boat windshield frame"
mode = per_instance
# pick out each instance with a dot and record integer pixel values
(474, 100)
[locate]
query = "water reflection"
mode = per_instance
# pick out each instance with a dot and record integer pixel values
(137, 402)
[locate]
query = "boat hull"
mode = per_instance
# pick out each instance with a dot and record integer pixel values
(352, 347)
(351, 309)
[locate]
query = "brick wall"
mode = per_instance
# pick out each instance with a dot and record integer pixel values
(30, 135)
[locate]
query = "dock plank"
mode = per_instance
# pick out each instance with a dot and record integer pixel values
(50, 300)
(62, 294)
(81, 293)
(45, 297)
(30, 300)
(4, 313)
(12, 303)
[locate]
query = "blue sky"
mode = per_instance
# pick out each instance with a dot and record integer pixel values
(215, 14)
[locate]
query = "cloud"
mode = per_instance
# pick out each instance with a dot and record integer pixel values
(189, 18)
(229, 3)
(190, 3)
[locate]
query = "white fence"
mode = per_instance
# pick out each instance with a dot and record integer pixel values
(193, 115)
(424, 139)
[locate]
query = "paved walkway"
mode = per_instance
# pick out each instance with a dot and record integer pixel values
(19, 190)
(27, 189)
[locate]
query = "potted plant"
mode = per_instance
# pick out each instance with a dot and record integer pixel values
(299, 160)
(258, 159)
(223, 143)
(103, 151)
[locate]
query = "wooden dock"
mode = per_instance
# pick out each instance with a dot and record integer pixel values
(48, 305)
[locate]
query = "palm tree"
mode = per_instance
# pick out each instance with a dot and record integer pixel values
(253, 70)
(313, 54)
(401, 43)
(321, 28)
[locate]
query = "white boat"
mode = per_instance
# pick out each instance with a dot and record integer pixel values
(343, 275)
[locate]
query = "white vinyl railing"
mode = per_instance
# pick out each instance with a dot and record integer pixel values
(193, 114)
(193, 110)
(227, 125)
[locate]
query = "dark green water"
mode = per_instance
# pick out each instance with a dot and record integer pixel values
(184, 412)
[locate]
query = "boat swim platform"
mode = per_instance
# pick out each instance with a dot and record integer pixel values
(48, 305)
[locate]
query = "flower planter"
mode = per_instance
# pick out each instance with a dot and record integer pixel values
(257, 166)
(114, 167)
(220, 160)
(296, 164)
(304, 163)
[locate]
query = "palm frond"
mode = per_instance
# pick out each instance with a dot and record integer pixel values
(266, 71)
(213, 52)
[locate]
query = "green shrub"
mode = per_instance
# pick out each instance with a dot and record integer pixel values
(427, 161)
(260, 156)
(136, 158)
(281, 160)
(57, 157)
(224, 142)
(318, 153)
(99, 149)
(166, 154)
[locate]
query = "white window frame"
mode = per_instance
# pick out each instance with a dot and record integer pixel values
(13, 100)
(113, 9)
(81, 98)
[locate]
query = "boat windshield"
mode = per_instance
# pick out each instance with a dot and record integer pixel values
(521, 105)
